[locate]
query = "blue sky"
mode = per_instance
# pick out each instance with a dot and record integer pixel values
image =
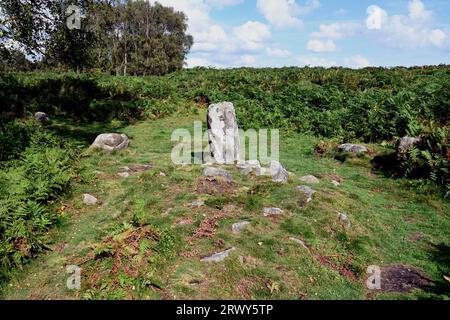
(272, 33)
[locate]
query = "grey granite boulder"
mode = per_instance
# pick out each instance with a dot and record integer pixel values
(223, 133)
(307, 191)
(238, 227)
(41, 117)
(217, 257)
(111, 142)
(278, 172)
(355, 148)
(309, 179)
(217, 172)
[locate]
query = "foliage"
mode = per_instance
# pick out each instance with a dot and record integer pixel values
(41, 174)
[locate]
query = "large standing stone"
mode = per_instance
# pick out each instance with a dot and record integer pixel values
(111, 142)
(223, 133)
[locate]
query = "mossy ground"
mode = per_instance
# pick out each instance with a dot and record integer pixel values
(140, 244)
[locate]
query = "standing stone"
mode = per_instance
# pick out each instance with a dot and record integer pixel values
(223, 133)
(279, 174)
(111, 142)
(41, 117)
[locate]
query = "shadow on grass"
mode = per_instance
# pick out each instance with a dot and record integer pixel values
(83, 134)
(440, 256)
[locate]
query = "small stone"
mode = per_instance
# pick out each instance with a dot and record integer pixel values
(217, 172)
(306, 190)
(111, 142)
(89, 200)
(335, 183)
(344, 220)
(197, 203)
(272, 212)
(249, 166)
(238, 227)
(279, 173)
(217, 257)
(41, 117)
(355, 148)
(300, 242)
(123, 174)
(162, 174)
(310, 179)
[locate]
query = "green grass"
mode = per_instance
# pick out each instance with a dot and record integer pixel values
(266, 264)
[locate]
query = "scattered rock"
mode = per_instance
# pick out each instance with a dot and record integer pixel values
(41, 117)
(197, 203)
(310, 179)
(405, 144)
(249, 166)
(355, 148)
(307, 191)
(272, 212)
(223, 133)
(279, 174)
(162, 174)
(238, 227)
(300, 242)
(90, 200)
(123, 174)
(344, 220)
(263, 172)
(217, 257)
(217, 172)
(335, 183)
(111, 142)
(403, 279)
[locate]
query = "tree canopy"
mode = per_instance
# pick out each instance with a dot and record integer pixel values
(118, 37)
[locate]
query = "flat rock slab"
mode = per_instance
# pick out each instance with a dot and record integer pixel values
(310, 179)
(217, 257)
(300, 242)
(272, 212)
(249, 166)
(349, 147)
(307, 191)
(90, 200)
(217, 172)
(111, 142)
(223, 133)
(238, 227)
(403, 279)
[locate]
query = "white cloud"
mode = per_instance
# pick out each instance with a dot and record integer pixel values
(223, 3)
(342, 12)
(316, 62)
(358, 62)
(336, 31)
(377, 17)
(285, 13)
(316, 45)
(414, 30)
(252, 35)
(278, 53)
